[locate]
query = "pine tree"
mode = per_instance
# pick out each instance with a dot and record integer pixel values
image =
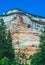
(9, 52)
(2, 37)
(39, 57)
(6, 49)
(42, 45)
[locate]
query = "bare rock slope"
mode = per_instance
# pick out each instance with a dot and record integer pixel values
(25, 29)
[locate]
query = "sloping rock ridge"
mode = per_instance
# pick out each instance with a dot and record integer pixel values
(25, 28)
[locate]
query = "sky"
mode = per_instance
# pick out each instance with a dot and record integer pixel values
(36, 7)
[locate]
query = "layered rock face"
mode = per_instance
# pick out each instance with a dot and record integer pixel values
(24, 35)
(24, 38)
(25, 30)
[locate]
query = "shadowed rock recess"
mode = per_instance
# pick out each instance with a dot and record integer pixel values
(25, 29)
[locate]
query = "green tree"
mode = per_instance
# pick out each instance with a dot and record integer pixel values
(6, 49)
(4, 61)
(9, 52)
(2, 37)
(42, 45)
(39, 57)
